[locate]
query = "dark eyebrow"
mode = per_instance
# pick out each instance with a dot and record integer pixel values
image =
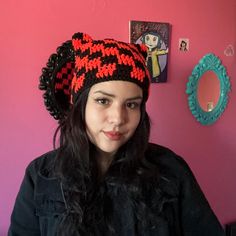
(104, 93)
(134, 98)
(112, 95)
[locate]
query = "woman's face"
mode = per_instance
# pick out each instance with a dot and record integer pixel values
(112, 114)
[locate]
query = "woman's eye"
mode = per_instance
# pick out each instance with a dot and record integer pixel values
(102, 101)
(132, 105)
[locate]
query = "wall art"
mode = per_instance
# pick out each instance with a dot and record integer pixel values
(155, 35)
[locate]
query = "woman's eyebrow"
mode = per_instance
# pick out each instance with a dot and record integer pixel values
(112, 95)
(104, 93)
(135, 98)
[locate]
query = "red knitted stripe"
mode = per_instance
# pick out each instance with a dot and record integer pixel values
(79, 45)
(137, 74)
(80, 63)
(93, 64)
(77, 83)
(106, 70)
(110, 51)
(96, 48)
(87, 38)
(76, 43)
(108, 41)
(126, 60)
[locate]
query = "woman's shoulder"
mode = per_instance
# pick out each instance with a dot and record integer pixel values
(172, 170)
(167, 161)
(43, 164)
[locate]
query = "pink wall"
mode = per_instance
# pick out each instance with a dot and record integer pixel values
(30, 32)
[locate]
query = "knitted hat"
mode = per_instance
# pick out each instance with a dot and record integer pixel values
(55, 80)
(83, 62)
(106, 60)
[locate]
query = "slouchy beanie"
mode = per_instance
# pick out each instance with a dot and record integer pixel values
(98, 61)
(80, 63)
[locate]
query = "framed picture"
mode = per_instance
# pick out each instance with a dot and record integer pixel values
(155, 35)
(183, 45)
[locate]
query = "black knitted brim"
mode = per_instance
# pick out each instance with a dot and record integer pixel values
(55, 81)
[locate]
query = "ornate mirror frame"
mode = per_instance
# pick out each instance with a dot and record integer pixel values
(212, 63)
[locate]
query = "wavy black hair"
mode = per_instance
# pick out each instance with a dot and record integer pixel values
(75, 164)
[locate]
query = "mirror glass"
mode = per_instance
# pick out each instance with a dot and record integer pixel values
(208, 91)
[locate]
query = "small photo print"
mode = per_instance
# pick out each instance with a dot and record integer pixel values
(183, 44)
(155, 35)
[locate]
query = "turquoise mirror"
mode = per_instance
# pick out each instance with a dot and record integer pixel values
(208, 89)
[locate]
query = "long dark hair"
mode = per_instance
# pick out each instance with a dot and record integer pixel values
(75, 164)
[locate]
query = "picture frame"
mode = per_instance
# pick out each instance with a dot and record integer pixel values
(155, 35)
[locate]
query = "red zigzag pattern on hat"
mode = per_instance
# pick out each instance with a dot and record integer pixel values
(104, 70)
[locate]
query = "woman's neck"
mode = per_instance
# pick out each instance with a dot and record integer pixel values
(104, 160)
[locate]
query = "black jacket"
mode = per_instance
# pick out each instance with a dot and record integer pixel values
(172, 206)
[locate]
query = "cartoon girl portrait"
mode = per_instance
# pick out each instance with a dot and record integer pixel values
(183, 45)
(157, 55)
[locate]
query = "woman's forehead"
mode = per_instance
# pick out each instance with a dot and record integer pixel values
(122, 88)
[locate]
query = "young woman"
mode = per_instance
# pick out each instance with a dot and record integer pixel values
(105, 178)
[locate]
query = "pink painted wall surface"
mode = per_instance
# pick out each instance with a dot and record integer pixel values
(30, 32)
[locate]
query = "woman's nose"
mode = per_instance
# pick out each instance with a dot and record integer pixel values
(117, 115)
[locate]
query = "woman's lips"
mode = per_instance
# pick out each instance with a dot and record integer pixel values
(113, 135)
